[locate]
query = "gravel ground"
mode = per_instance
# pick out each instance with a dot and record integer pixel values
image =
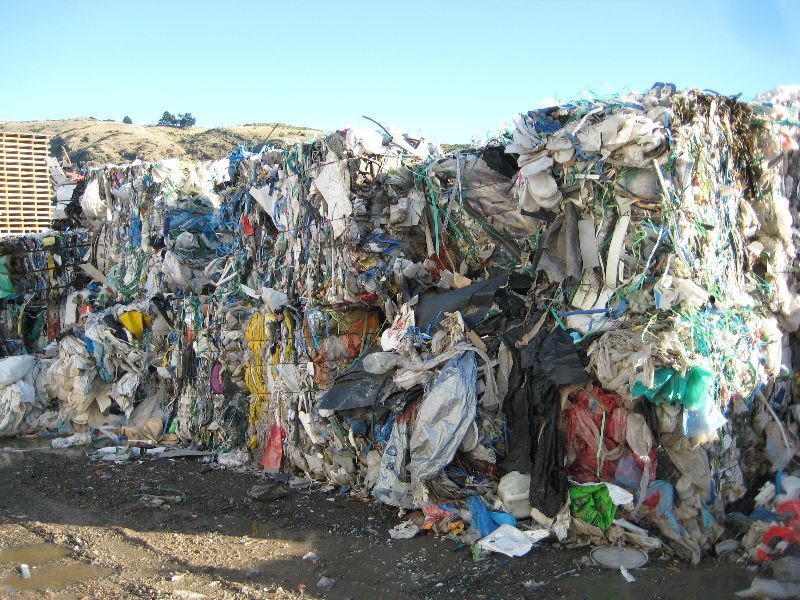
(177, 528)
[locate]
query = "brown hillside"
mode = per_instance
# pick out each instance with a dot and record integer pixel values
(111, 142)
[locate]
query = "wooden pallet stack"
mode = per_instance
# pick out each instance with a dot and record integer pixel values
(25, 188)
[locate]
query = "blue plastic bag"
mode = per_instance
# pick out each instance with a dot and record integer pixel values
(481, 518)
(503, 518)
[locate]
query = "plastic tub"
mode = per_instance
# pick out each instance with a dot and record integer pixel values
(514, 490)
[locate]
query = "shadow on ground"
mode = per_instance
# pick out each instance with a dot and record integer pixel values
(208, 538)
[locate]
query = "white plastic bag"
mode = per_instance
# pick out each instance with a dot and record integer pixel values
(14, 368)
(510, 541)
(94, 207)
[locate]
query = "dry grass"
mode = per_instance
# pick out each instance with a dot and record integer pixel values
(111, 142)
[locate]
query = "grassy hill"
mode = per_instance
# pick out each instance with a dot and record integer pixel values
(109, 141)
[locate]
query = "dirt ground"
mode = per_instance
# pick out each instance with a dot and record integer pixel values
(91, 529)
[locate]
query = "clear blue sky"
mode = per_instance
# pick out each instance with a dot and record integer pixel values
(452, 71)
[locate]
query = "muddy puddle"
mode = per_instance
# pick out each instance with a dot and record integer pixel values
(46, 572)
(46, 577)
(33, 554)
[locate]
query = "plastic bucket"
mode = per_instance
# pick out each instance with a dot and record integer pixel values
(514, 490)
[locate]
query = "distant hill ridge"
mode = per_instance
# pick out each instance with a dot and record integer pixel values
(101, 142)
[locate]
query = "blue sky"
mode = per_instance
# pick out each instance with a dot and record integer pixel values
(452, 71)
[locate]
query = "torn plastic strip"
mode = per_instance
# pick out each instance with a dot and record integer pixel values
(599, 455)
(435, 211)
(558, 318)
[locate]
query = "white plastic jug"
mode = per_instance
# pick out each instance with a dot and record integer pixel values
(514, 490)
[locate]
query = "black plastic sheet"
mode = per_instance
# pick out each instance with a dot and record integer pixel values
(532, 407)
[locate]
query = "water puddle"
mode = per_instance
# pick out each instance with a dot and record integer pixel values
(47, 577)
(31, 442)
(44, 576)
(15, 450)
(260, 529)
(33, 554)
(285, 542)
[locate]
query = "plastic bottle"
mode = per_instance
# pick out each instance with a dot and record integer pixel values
(514, 490)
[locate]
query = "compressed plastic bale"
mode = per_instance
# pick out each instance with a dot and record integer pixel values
(446, 413)
(534, 433)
